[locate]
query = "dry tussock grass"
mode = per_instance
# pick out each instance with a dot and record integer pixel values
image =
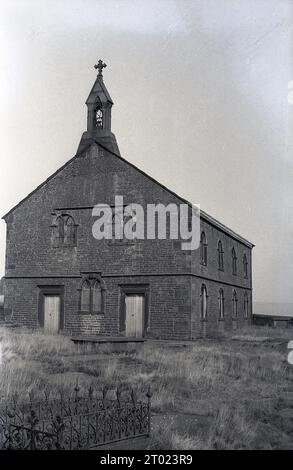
(235, 390)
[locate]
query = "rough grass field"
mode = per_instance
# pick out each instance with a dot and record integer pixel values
(230, 393)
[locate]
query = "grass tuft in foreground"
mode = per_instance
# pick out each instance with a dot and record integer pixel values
(234, 393)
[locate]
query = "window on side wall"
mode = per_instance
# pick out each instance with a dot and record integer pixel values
(203, 301)
(221, 304)
(245, 305)
(245, 266)
(220, 256)
(234, 261)
(203, 249)
(234, 304)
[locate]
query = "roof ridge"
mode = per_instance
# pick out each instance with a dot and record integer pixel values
(204, 215)
(46, 180)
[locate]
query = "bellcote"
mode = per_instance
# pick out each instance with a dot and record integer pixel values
(99, 105)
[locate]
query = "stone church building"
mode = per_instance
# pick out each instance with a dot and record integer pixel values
(60, 278)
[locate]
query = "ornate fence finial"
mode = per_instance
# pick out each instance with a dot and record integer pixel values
(15, 398)
(61, 393)
(133, 396)
(118, 393)
(32, 418)
(90, 392)
(31, 396)
(149, 393)
(76, 390)
(47, 393)
(11, 413)
(104, 392)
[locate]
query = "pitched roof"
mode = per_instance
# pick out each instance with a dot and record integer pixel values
(203, 214)
(99, 90)
(45, 182)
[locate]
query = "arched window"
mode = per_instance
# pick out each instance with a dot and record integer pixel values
(234, 261)
(59, 231)
(234, 304)
(91, 300)
(86, 297)
(97, 297)
(221, 304)
(245, 266)
(220, 256)
(65, 231)
(245, 305)
(69, 231)
(98, 117)
(203, 249)
(203, 298)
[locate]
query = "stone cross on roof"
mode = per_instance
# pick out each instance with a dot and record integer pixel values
(100, 66)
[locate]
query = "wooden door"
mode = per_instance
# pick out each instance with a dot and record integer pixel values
(134, 318)
(52, 313)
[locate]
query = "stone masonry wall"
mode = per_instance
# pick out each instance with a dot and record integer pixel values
(168, 306)
(174, 276)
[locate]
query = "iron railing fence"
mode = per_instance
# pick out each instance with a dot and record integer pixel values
(74, 421)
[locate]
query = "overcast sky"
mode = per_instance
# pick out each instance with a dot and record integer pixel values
(201, 104)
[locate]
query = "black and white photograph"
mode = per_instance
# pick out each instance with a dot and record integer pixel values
(146, 255)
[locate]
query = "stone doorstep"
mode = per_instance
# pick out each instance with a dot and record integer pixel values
(85, 344)
(106, 339)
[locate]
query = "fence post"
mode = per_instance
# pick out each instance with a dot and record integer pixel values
(33, 421)
(58, 427)
(76, 398)
(61, 402)
(105, 390)
(118, 397)
(134, 405)
(9, 415)
(149, 396)
(105, 430)
(91, 393)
